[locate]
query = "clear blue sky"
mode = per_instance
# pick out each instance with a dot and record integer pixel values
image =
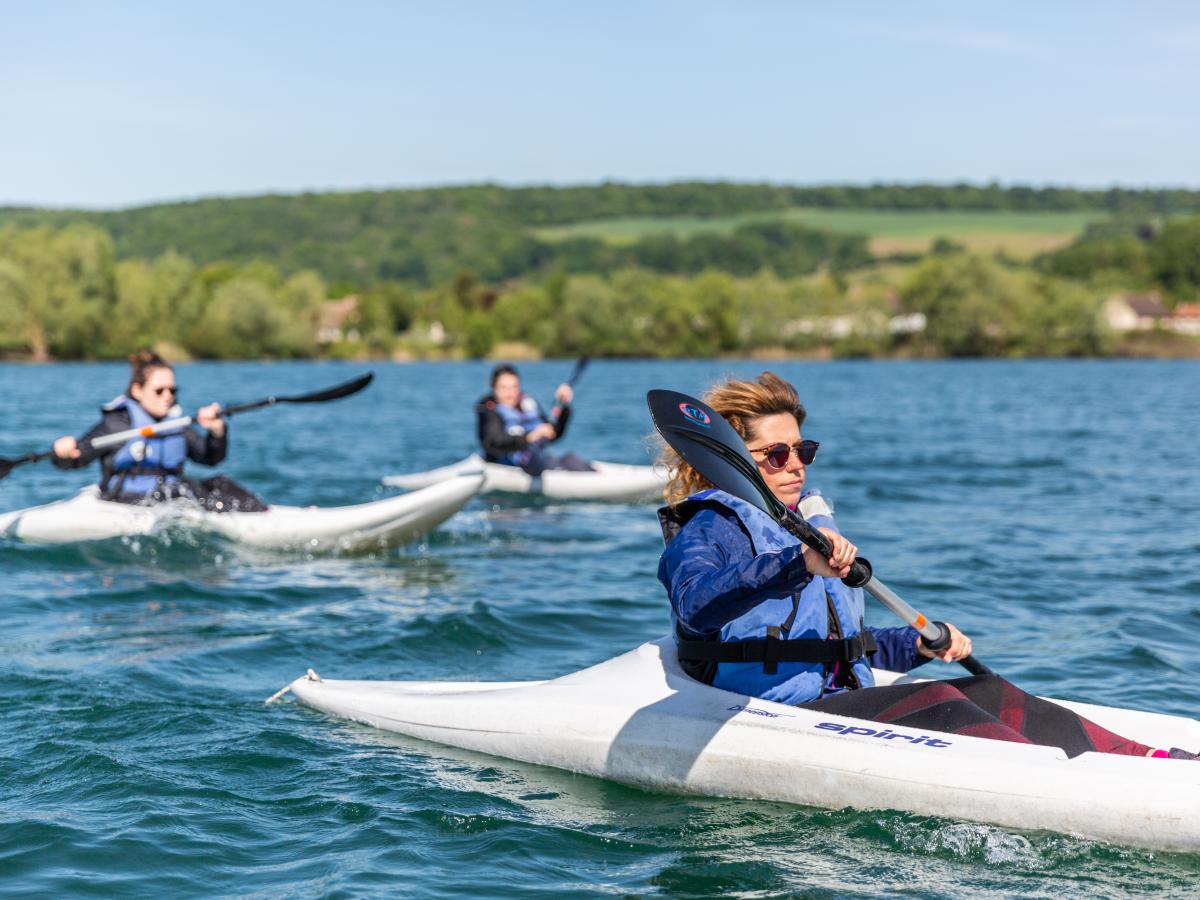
(121, 103)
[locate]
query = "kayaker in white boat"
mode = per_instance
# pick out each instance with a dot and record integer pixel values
(513, 429)
(757, 613)
(150, 470)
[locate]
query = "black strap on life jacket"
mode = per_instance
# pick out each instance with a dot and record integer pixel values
(115, 481)
(773, 650)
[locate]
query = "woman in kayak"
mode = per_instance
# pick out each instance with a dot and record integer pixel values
(150, 470)
(757, 613)
(514, 431)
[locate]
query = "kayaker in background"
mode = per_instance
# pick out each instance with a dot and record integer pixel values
(514, 431)
(757, 613)
(150, 470)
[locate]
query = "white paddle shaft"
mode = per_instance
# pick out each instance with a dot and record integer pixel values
(896, 604)
(120, 437)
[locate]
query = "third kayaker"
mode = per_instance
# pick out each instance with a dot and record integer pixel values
(757, 613)
(513, 429)
(150, 470)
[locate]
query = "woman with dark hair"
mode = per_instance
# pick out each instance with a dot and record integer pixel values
(758, 613)
(150, 469)
(514, 431)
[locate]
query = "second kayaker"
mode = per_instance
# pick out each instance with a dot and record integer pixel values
(757, 613)
(150, 470)
(513, 429)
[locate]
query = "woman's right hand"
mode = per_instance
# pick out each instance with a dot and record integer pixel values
(66, 448)
(839, 562)
(960, 647)
(543, 432)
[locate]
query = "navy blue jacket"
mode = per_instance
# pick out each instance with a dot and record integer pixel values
(712, 576)
(494, 437)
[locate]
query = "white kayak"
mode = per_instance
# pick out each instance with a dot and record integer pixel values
(610, 481)
(638, 719)
(383, 523)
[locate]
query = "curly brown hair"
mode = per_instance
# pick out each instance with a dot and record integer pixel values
(741, 403)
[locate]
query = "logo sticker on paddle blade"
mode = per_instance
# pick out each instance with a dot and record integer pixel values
(699, 416)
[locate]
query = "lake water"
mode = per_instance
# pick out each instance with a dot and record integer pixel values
(1047, 508)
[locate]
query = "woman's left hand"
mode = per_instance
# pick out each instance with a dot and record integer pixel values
(960, 647)
(564, 394)
(209, 418)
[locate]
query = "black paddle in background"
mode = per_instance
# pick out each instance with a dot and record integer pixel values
(170, 425)
(708, 443)
(334, 393)
(557, 411)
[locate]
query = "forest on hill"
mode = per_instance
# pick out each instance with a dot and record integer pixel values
(462, 271)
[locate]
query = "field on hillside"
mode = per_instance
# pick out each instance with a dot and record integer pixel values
(891, 231)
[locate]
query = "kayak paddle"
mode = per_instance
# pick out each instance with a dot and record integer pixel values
(580, 365)
(709, 444)
(177, 424)
(556, 413)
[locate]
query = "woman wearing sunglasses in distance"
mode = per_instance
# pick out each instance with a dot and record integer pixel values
(151, 469)
(757, 613)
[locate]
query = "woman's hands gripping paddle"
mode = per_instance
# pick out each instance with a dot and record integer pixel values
(67, 447)
(709, 444)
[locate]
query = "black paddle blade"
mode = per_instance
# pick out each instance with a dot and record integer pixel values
(7, 465)
(334, 393)
(580, 365)
(708, 443)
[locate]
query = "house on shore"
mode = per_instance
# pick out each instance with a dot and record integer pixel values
(1186, 319)
(331, 325)
(1124, 313)
(1134, 312)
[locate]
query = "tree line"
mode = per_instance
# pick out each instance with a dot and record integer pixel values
(65, 293)
(1134, 253)
(425, 237)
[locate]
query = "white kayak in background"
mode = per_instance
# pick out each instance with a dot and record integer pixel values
(382, 523)
(638, 719)
(610, 481)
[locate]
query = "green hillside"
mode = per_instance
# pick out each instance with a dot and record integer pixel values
(889, 230)
(423, 237)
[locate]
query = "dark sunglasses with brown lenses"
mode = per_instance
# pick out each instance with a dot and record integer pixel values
(776, 455)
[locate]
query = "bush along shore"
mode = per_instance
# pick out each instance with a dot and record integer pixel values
(1127, 285)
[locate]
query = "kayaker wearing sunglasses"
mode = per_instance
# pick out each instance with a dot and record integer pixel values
(514, 431)
(151, 469)
(757, 613)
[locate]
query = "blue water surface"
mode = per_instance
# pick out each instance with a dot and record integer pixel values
(1048, 508)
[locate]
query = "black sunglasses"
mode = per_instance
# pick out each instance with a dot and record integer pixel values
(172, 389)
(777, 454)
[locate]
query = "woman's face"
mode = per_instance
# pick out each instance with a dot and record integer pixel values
(781, 428)
(157, 395)
(507, 389)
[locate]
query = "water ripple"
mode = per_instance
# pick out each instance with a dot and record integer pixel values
(1046, 507)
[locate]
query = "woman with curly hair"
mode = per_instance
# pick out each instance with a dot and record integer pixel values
(757, 613)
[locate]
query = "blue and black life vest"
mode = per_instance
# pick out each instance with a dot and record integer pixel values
(520, 419)
(793, 647)
(142, 464)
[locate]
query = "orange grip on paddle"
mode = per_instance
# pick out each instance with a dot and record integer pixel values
(146, 431)
(921, 622)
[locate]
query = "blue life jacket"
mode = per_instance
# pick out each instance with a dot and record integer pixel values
(142, 464)
(520, 419)
(792, 626)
